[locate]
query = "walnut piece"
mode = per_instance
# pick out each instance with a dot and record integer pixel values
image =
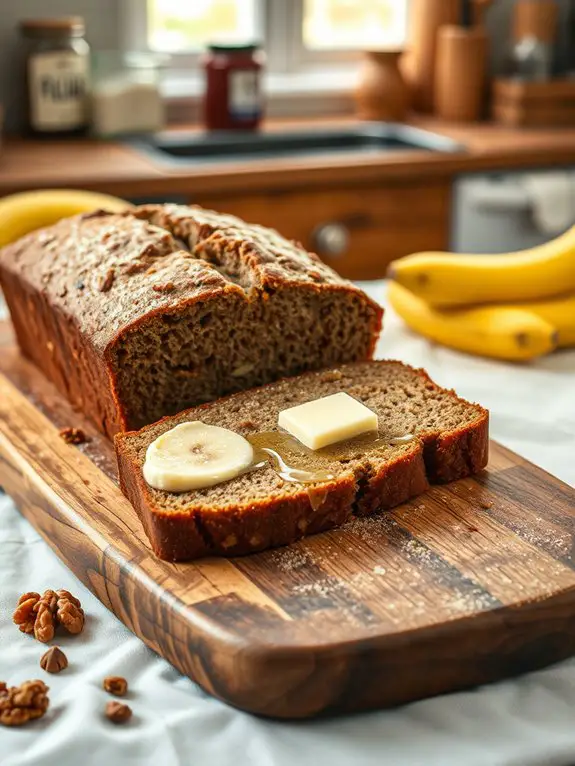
(41, 615)
(54, 660)
(117, 712)
(106, 281)
(166, 287)
(135, 267)
(45, 624)
(116, 685)
(73, 435)
(70, 613)
(25, 616)
(20, 704)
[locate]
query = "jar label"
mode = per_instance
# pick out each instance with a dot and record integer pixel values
(245, 101)
(58, 84)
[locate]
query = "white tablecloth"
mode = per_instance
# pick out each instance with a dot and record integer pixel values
(530, 720)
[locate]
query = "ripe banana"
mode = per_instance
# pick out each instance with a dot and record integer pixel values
(446, 279)
(502, 332)
(559, 312)
(195, 455)
(27, 211)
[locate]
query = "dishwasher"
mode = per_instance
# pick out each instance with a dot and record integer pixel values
(493, 213)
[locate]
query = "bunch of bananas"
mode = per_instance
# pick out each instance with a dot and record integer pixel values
(28, 211)
(515, 306)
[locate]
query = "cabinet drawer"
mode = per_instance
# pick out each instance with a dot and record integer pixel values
(356, 230)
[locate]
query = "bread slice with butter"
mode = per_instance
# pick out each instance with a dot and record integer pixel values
(425, 434)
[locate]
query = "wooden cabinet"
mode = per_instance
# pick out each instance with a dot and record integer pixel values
(357, 230)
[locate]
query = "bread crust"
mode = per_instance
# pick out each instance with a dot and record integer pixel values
(76, 290)
(439, 456)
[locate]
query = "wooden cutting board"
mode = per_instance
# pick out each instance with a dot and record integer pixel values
(470, 583)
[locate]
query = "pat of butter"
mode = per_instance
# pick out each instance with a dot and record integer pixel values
(328, 420)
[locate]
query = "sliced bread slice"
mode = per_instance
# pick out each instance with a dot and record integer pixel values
(259, 509)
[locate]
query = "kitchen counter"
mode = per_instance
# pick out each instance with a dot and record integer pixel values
(378, 206)
(118, 169)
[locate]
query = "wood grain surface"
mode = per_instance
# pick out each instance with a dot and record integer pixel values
(470, 583)
(117, 169)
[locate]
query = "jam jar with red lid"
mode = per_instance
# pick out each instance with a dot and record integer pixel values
(233, 97)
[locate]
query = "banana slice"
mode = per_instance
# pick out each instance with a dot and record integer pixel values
(195, 455)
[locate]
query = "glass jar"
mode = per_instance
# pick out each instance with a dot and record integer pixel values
(233, 95)
(126, 97)
(57, 67)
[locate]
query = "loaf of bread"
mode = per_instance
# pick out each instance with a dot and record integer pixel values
(134, 316)
(426, 434)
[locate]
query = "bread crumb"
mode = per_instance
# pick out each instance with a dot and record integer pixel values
(248, 424)
(291, 559)
(73, 435)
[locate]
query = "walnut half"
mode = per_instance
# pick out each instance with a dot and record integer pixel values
(41, 615)
(20, 704)
(25, 616)
(45, 624)
(70, 613)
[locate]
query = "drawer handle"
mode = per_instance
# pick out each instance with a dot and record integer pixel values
(507, 199)
(330, 239)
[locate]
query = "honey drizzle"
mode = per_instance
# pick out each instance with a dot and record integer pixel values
(298, 475)
(283, 452)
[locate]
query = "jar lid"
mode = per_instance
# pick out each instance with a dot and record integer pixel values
(56, 27)
(233, 47)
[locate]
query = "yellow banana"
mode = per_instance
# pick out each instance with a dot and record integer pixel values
(495, 331)
(559, 312)
(27, 211)
(447, 279)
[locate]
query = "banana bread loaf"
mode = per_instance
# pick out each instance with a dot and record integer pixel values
(426, 434)
(135, 316)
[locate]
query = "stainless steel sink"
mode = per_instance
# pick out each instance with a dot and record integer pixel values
(369, 138)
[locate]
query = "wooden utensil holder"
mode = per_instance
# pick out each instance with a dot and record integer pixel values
(426, 18)
(460, 73)
(419, 63)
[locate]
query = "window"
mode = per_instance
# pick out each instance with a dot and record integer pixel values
(312, 46)
(296, 26)
(336, 24)
(176, 26)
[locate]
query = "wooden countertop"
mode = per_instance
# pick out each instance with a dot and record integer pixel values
(121, 170)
